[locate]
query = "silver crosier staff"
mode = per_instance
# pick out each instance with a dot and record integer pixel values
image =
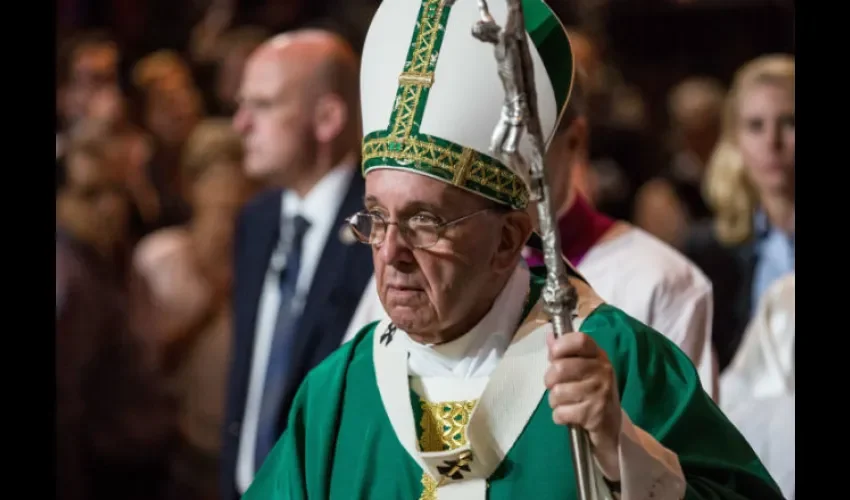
(519, 114)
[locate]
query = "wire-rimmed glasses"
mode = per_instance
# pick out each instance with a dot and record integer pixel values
(419, 231)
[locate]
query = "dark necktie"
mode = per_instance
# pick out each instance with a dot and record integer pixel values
(284, 332)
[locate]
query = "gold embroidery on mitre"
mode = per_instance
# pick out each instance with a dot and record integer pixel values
(462, 167)
(428, 154)
(418, 73)
(420, 79)
(444, 424)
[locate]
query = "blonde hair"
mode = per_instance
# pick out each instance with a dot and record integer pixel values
(727, 187)
(212, 141)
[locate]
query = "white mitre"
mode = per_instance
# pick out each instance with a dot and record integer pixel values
(431, 95)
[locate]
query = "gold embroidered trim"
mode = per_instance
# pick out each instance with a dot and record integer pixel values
(422, 155)
(444, 424)
(462, 167)
(421, 79)
(429, 487)
(419, 72)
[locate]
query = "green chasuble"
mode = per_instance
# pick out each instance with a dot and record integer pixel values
(340, 444)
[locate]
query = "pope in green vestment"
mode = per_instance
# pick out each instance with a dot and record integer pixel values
(462, 392)
(340, 443)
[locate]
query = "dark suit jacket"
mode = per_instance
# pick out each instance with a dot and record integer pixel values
(343, 271)
(731, 270)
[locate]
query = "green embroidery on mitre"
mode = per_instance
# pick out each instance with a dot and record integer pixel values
(431, 95)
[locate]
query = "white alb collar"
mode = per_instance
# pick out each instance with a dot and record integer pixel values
(476, 353)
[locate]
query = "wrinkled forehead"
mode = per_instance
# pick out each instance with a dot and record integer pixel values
(394, 189)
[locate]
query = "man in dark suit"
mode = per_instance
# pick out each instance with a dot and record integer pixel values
(298, 274)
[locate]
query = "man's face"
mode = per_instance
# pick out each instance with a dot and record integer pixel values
(93, 67)
(274, 118)
(427, 291)
(93, 205)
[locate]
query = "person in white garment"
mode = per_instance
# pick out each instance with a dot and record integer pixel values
(758, 389)
(628, 267)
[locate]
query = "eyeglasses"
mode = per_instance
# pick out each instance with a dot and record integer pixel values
(419, 231)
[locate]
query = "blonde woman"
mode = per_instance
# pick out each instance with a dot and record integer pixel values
(750, 187)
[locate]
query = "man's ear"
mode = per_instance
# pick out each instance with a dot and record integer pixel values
(516, 230)
(577, 137)
(329, 117)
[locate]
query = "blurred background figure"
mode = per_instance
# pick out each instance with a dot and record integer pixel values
(169, 106)
(667, 205)
(759, 386)
(87, 66)
(114, 414)
(749, 243)
(189, 271)
(622, 154)
(88, 63)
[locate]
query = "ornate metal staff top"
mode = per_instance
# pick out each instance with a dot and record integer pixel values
(519, 114)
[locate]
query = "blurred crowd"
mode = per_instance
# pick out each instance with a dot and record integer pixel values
(154, 168)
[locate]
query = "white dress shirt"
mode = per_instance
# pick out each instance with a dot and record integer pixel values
(320, 208)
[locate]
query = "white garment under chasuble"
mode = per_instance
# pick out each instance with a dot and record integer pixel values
(490, 379)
